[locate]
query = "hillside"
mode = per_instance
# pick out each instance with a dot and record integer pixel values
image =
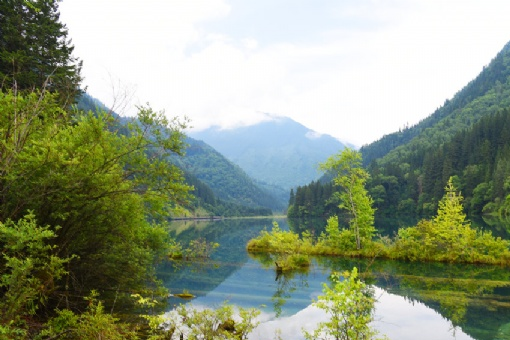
(227, 180)
(221, 188)
(467, 138)
(488, 92)
(279, 152)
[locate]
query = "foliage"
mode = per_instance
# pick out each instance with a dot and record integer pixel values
(342, 240)
(449, 237)
(351, 178)
(110, 192)
(222, 323)
(93, 324)
(349, 303)
(287, 250)
(29, 270)
(35, 51)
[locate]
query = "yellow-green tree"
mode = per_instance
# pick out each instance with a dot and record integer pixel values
(349, 304)
(449, 237)
(351, 178)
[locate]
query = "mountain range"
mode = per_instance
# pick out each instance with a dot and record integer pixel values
(248, 170)
(466, 139)
(279, 152)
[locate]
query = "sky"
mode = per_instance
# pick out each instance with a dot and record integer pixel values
(353, 69)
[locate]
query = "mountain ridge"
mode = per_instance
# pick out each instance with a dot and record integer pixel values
(280, 152)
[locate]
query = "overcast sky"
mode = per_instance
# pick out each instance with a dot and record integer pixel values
(354, 69)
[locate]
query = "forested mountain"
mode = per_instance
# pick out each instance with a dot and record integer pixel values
(279, 152)
(466, 138)
(220, 187)
(205, 201)
(478, 158)
(488, 92)
(227, 180)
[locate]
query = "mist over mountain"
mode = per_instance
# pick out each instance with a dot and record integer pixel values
(280, 152)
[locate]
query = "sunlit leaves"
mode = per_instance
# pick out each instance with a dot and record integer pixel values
(351, 178)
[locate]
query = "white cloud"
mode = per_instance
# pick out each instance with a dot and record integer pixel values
(356, 69)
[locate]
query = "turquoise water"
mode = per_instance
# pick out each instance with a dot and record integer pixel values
(415, 301)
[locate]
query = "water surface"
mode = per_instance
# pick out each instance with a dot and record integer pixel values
(414, 301)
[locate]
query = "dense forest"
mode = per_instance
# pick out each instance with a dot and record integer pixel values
(486, 94)
(227, 180)
(466, 138)
(204, 198)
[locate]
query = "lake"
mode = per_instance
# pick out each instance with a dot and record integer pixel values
(414, 300)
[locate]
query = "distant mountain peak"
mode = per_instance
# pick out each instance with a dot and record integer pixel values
(277, 151)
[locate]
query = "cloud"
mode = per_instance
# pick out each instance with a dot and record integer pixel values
(354, 69)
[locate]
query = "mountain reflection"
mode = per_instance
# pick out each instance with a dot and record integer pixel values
(415, 300)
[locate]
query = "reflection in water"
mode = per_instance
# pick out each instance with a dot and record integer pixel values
(416, 301)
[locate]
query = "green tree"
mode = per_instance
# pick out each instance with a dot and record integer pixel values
(104, 194)
(349, 303)
(28, 272)
(35, 51)
(221, 323)
(351, 177)
(449, 237)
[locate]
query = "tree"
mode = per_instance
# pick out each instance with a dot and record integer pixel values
(105, 195)
(449, 237)
(349, 303)
(28, 271)
(354, 198)
(35, 51)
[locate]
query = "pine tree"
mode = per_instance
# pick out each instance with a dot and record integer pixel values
(35, 51)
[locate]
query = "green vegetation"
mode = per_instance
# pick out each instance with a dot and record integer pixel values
(350, 306)
(84, 198)
(287, 248)
(448, 237)
(222, 323)
(101, 196)
(35, 51)
(466, 138)
(351, 179)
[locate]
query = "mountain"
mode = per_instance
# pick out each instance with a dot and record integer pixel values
(488, 92)
(277, 153)
(227, 180)
(467, 138)
(220, 187)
